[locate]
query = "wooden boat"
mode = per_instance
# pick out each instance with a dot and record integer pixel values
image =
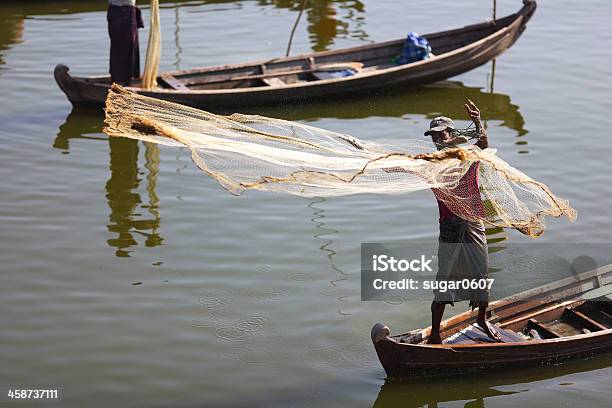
(306, 77)
(567, 319)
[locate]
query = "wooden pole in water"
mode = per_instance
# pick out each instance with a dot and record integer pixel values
(177, 43)
(494, 10)
(297, 20)
(491, 85)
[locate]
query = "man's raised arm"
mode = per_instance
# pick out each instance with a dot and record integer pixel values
(474, 112)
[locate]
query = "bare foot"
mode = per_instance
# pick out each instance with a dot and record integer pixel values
(490, 331)
(434, 339)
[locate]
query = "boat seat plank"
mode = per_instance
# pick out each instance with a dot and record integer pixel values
(547, 313)
(544, 331)
(599, 311)
(602, 317)
(582, 320)
(173, 82)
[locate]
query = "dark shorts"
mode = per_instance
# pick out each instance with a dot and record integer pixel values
(462, 256)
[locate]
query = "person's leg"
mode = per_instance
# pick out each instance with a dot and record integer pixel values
(437, 311)
(484, 325)
(121, 44)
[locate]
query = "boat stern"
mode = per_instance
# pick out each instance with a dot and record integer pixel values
(529, 8)
(66, 83)
(383, 347)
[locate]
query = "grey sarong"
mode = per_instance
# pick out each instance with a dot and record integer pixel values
(462, 254)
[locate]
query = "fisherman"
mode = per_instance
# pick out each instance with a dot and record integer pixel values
(462, 250)
(124, 20)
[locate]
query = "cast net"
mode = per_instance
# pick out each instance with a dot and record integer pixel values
(153, 49)
(245, 152)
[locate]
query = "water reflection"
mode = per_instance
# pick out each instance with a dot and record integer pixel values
(126, 220)
(474, 390)
(496, 240)
(13, 14)
(324, 22)
(444, 97)
(11, 32)
(52, 7)
(324, 234)
(80, 123)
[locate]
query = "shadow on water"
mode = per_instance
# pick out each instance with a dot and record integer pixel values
(475, 389)
(126, 204)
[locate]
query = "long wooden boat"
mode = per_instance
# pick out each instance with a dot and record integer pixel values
(306, 77)
(567, 319)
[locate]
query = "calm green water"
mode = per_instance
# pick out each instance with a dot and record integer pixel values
(131, 279)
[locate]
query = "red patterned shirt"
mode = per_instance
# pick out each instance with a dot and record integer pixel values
(464, 198)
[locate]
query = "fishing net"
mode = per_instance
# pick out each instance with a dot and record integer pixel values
(245, 152)
(153, 49)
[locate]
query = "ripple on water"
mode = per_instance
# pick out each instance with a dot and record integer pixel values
(394, 300)
(213, 303)
(217, 310)
(251, 356)
(242, 329)
(300, 277)
(337, 355)
(263, 269)
(268, 294)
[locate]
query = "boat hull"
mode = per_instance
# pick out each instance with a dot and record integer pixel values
(402, 360)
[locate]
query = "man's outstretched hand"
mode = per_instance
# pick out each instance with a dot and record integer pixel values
(472, 110)
(474, 113)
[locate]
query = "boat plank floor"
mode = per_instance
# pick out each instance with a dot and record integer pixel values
(474, 334)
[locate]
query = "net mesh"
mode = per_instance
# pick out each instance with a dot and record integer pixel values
(153, 49)
(245, 152)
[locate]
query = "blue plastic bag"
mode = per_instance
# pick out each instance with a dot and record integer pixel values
(416, 48)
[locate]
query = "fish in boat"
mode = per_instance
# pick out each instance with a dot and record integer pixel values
(563, 320)
(307, 77)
